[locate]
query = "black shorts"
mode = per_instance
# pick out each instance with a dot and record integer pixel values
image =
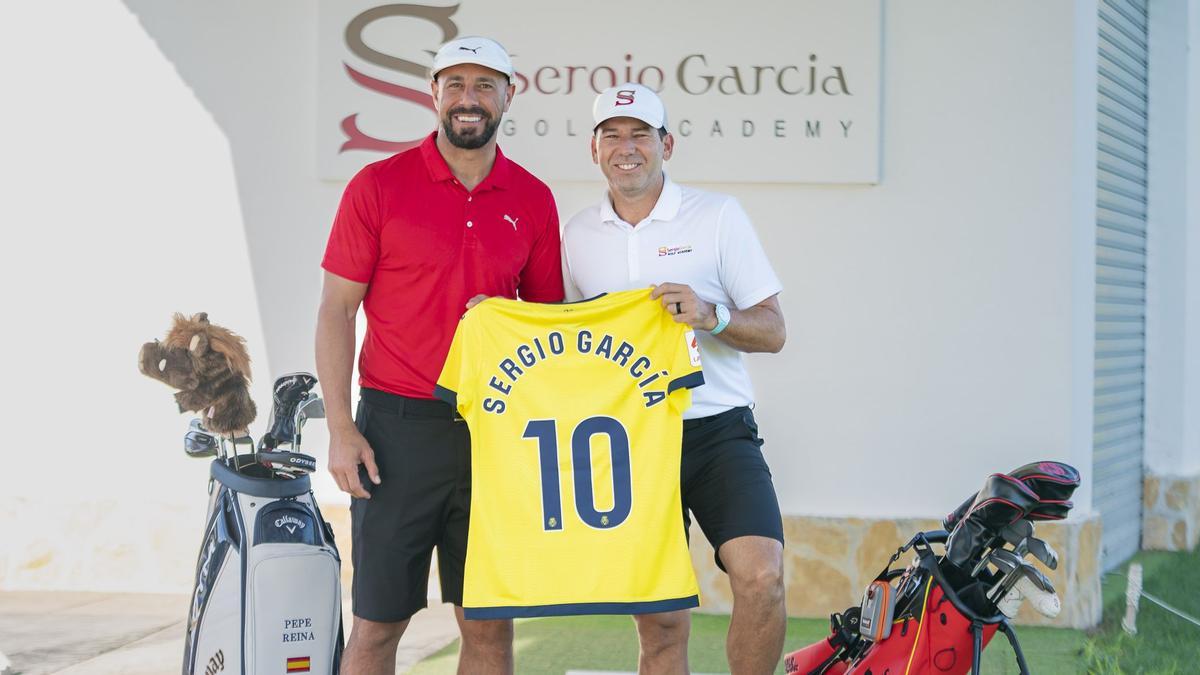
(725, 480)
(423, 450)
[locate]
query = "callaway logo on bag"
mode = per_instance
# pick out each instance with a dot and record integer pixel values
(289, 522)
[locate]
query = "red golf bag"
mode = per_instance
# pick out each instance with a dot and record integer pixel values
(936, 616)
(934, 629)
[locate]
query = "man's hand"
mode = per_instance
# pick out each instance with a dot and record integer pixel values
(348, 449)
(476, 300)
(684, 306)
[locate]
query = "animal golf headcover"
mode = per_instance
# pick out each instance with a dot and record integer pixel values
(209, 366)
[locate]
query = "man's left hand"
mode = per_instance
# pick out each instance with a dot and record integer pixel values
(684, 306)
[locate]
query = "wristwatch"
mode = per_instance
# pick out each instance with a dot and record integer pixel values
(722, 313)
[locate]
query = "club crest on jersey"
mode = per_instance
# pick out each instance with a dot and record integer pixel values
(652, 382)
(693, 347)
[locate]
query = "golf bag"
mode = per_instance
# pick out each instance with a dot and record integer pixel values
(937, 615)
(267, 595)
(933, 629)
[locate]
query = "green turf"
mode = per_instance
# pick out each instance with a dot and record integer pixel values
(1164, 643)
(553, 646)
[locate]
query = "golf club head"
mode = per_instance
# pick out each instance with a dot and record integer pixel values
(1003, 560)
(1006, 561)
(1009, 564)
(1036, 577)
(313, 407)
(1047, 603)
(1042, 551)
(197, 443)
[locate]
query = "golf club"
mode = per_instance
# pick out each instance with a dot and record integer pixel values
(1040, 550)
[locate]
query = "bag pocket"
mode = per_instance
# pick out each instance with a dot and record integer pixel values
(293, 608)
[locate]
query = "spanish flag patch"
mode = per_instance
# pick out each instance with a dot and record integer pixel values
(298, 664)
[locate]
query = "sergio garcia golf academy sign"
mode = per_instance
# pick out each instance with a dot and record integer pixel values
(780, 92)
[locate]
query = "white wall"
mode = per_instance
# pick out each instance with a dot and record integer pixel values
(121, 207)
(931, 323)
(1173, 287)
(166, 162)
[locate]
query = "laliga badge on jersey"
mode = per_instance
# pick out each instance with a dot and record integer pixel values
(693, 346)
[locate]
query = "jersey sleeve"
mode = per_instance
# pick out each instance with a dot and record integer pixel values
(353, 247)
(685, 366)
(454, 384)
(746, 273)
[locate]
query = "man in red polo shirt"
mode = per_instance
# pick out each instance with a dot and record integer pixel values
(415, 237)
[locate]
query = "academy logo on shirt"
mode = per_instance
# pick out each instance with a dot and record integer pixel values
(674, 250)
(693, 347)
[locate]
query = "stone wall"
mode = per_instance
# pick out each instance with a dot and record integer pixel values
(1171, 512)
(829, 561)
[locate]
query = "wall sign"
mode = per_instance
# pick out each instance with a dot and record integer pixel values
(783, 92)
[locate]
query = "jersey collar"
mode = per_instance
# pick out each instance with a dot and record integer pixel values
(439, 170)
(666, 208)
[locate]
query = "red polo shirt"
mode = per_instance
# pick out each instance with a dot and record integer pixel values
(425, 245)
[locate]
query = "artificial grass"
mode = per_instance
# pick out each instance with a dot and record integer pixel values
(555, 645)
(1165, 644)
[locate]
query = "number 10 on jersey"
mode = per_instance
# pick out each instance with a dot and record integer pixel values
(545, 432)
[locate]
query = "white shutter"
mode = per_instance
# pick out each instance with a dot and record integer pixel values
(1120, 277)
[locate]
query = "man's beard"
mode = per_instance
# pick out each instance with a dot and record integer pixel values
(470, 140)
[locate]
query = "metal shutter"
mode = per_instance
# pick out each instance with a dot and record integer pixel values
(1120, 277)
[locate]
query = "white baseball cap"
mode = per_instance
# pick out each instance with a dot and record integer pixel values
(630, 100)
(473, 49)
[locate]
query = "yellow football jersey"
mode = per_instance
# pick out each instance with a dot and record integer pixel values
(575, 417)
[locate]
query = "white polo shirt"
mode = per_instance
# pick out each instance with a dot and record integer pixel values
(702, 239)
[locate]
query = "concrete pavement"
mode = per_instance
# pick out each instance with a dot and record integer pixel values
(76, 633)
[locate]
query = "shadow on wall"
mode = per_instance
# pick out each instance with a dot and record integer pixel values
(252, 65)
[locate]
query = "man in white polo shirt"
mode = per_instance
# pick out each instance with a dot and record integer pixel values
(699, 250)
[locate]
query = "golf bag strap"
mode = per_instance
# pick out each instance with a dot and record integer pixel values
(1016, 646)
(933, 536)
(824, 665)
(976, 646)
(920, 543)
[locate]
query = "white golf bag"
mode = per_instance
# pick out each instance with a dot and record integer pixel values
(267, 597)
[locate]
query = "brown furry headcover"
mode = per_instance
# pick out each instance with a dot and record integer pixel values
(209, 366)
